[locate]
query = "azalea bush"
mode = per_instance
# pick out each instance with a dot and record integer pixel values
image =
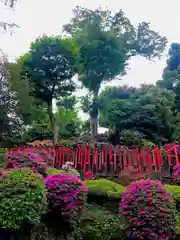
(27, 159)
(66, 198)
(66, 193)
(149, 210)
(22, 199)
(176, 174)
(68, 167)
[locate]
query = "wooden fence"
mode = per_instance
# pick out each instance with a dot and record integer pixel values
(107, 159)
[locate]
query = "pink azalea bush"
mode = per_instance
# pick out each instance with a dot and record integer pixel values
(149, 210)
(66, 193)
(26, 159)
(176, 174)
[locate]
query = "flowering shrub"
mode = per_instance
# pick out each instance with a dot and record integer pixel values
(22, 199)
(149, 210)
(66, 193)
(88, 176)
(176, 174)
(68, 167)
(27, 159)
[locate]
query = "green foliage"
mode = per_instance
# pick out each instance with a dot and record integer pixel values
(68, 122)
(27, 107)
(52, 171)
(106, 41)
(175, 191)
(98, 224)
(49, 67)
(22, 199)
(171, 74)
(45, 78)
(104, 187)
(141, 116)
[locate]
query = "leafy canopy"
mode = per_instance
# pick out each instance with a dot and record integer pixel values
(49, 66)
(140, 114)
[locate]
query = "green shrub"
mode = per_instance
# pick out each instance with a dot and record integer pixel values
(22, 199)
(98, 224)
(105, 193)
(175, 190)
(104, 187)
(53, 171)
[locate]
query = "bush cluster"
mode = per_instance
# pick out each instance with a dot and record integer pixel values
(28, 199)
(149, 210)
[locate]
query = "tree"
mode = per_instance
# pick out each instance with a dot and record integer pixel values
(144, 115)
(106, 43)
(68, 121)
(49, 67)
(28, 108)
(171, 74)
(10, 123)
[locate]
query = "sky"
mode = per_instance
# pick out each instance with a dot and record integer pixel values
(38, 17)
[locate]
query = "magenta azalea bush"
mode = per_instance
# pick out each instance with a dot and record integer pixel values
(176, 174)
(26, 159)
(66, 193)
(149, 210)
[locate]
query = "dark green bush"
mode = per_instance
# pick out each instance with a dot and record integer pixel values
(98, 224)
(22, 199)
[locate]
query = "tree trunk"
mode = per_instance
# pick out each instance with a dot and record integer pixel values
(53, 123)
(94, 126)
(94, 115)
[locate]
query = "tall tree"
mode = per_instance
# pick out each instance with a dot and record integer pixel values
(106, 43)
(171, 74)
(144, 115)
(49, 67)
(28, 108)
(10, 123)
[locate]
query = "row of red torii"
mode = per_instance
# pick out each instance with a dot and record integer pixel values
(110, 159)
